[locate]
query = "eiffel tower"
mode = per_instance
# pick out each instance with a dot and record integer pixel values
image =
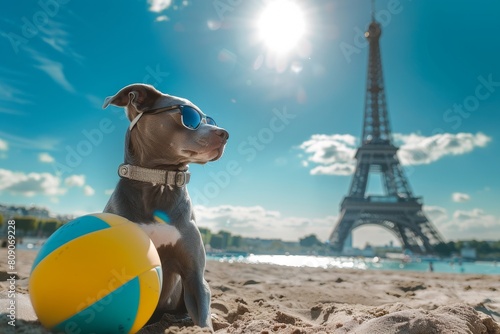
(398, 210)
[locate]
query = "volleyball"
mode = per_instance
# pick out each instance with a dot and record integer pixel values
(99, 273)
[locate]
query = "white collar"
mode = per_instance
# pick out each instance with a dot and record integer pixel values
(135, 120)
(156, 176)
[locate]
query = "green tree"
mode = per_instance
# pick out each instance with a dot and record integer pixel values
(216, 241)
(236, 241)
(206, 235)
(309, 241)
(443, 249)
(49, 227)
(483, 247)
(495, 246)
(1, 219)
(226, 238)
(452, 246)
(26, 224)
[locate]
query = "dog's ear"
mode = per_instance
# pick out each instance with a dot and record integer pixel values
(136, 98)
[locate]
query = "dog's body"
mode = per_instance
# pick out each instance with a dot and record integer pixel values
(157, 148)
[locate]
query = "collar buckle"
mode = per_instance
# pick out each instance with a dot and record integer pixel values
(181, 179)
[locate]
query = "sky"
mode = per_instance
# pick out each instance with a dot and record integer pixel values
(291, 97)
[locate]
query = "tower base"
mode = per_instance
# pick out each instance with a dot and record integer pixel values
(401, 216)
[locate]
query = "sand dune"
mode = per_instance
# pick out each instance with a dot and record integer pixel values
(273, 299)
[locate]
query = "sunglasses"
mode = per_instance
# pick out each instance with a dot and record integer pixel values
(191, 117)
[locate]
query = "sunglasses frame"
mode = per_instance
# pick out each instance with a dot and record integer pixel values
(180, 109)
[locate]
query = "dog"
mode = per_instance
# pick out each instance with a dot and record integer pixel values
(166, 133)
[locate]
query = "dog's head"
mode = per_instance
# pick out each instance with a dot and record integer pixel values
(158, 136)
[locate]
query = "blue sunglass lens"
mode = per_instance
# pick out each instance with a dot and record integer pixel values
(211, 121)
(190, 118)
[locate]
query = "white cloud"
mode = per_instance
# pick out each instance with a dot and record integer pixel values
(258, 222)
(30, 184)
(12, 94)
(159, 5)
(79, 181)
(45, 158)
(88, 190)
(460, 197)
(416, 149)
(75, 181)
(335, 169)
(58, 44)
(55, 71)
(108, 192)
(162, 18)
(55, 35)
(40, 143)
(4, 146)
(464, 225)
(95, 101)
(334, 154)
(435, 213)
(475, 224)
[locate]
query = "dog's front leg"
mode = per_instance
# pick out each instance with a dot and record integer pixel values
(197, 297)
(197, 300)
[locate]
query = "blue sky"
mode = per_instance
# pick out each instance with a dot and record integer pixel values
(294, 118)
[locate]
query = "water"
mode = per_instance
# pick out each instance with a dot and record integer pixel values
(488, 268)
(326, 262)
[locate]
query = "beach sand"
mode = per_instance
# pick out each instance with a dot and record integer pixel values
(273, 299)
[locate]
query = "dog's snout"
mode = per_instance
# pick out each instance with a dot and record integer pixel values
(222, 133)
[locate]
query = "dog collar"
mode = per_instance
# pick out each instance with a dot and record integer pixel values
(135, 120)
(156, 176)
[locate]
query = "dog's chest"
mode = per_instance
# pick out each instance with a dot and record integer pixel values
(162, 234)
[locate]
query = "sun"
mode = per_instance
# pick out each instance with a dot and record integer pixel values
(281, 25)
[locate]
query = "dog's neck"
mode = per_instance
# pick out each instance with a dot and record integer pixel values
(137, 200)
(143, 198)
(135, 156)
(147, 190)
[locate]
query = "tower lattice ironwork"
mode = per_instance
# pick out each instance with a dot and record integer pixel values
(398, 210)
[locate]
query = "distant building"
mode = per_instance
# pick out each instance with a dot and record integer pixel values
(11, 211)
(368, 251)
(468, 253)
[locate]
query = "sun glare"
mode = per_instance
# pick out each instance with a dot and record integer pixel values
(281, 25)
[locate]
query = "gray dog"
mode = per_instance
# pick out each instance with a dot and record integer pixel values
(165, 134)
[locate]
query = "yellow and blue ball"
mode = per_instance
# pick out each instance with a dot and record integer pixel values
(99, 273)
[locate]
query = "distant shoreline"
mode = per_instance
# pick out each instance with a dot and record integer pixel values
(253, 298)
